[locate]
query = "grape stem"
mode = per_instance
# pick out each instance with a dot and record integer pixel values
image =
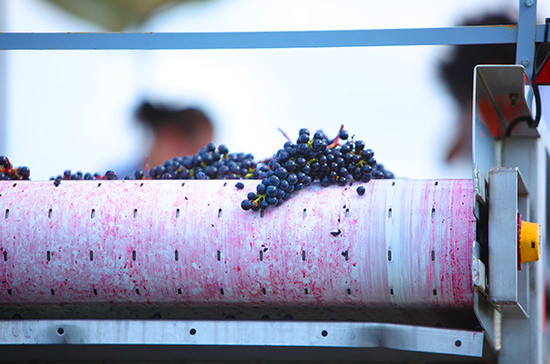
(147, 163)
(260, 198)
(284, 134)
(336, 140)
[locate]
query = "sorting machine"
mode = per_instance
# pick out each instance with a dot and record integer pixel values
(424, 270)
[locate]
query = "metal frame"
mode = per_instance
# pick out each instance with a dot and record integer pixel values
(511, 309)
(273, 39)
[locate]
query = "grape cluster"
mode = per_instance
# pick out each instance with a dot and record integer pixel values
(341, 161)
(210, 162)
(8, 172)
(311, 159)
(79, 176)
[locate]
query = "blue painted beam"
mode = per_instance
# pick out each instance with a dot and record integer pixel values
(257, 40)
(525, 50)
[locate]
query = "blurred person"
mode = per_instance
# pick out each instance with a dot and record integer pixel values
(457, 74)
(175, 132)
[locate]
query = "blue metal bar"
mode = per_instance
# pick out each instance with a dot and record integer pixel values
(525, 50)
(257, 40)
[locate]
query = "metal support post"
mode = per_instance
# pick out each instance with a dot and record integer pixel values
(525, 50)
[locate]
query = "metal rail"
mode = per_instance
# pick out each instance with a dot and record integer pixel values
(243, 333)
(258, 40)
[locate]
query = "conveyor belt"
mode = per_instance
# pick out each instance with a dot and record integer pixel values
(185, 249)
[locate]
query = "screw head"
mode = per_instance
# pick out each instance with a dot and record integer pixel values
(529, 3)
(525, 62)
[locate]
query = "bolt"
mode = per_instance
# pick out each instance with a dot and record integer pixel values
(525, 62)
(529, 3)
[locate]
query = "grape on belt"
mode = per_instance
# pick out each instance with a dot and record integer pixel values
(340, 161)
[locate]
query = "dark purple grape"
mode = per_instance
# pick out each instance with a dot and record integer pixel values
(272, 200)
(290, 165)
(318, 144)
(282, 156)
(281, 172)
(346, 148)
(210, 147)
(24, 172)
(367, 154)
(110, 175)
(260, 189)
(319, 135)
(302, 139)
(302, 149)
(271, 191)
(246, 205)
(274, 180)
(292, 179)
(289, 146)
(284, 185)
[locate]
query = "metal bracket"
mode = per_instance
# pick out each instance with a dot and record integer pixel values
(499, 98)
(508, 287)
(480, 192)
(479, 278)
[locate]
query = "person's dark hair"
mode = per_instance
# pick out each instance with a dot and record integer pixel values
(457, 71)
(189, 119)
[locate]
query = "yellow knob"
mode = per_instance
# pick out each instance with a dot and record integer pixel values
(529, 242)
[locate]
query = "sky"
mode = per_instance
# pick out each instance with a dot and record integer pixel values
(74, 109)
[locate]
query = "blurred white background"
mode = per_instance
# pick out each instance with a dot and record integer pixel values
(74, 109)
